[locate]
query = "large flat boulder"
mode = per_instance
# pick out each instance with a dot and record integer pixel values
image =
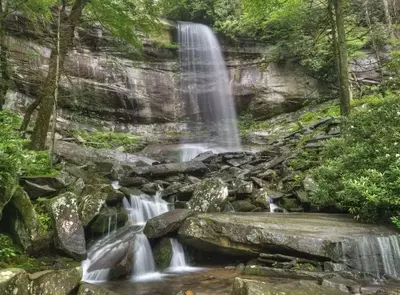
(163, 170)
(314, 236)
(253, 287)
(166, 223)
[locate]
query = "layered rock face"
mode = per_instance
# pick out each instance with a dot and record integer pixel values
(105, 84)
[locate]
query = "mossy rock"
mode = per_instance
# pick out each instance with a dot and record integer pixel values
(59, 282)
(162, 253)
(116, 217)
(7, 189)
(14, 281)
(89, 289)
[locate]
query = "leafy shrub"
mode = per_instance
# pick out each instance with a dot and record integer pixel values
(7, 249)
(360, 171)
(15, 160)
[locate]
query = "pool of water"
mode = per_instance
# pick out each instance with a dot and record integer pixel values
(209, 281)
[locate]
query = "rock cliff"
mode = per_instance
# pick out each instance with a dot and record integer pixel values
(112, 85)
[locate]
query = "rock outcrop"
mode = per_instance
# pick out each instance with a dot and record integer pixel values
(303, 235)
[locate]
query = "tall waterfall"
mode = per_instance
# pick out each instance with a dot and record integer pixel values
(205, 89)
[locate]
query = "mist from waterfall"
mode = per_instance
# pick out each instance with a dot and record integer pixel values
(205, 90)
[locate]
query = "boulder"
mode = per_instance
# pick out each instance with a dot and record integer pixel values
(35, 190)
(253, 287)
(59, 282)
(166, 223)
(194, 168)
(296, 234)
(113, 196)
(344, 285)
(243, 206)
(210, 195)
(90, 289)
(24, 223)
(109, 218)
(133, 181)
(7, 189)
(14, 281)
(78, 187)
(70, 236)
(150, 188)
(162, 253)
(119, 257)
(90, 207)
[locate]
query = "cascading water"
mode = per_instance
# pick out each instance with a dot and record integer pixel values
(104, 253)
(378, 256)
(205, 89)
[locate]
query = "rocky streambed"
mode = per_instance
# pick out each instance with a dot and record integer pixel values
(242, 212)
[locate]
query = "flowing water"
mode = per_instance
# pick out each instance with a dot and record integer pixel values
(205, 88)
(117, 244)
(378, 256)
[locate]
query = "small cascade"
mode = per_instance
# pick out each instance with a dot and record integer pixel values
(143, 207)
(178, 257)
(116, 185)
(272, 206)
(378, 256)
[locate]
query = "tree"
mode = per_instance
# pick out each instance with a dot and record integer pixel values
(342, 57)
(121, 18)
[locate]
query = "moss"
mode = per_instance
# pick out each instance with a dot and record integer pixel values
(162, 253)
(331, 110)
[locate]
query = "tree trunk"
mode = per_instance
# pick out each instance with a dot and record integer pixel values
(344, 85)
(388, 18)
(38, 139)
(4, 71)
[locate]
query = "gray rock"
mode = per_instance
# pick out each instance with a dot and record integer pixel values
(70, 236)
(133, 181)
(334, 267)
(59, 282)
(78, 187)
(90, 207)
(166, 223)
(209, 196)
(344, 285)
(109, 218)
(243, 206)
(313, 235)
(193, 168)
(14, 281)
(253, 287)
(90, 289)
(150, 188)
(35, 190)
(243, 187)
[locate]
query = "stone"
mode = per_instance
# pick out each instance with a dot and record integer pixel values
(344, 285)
(90, 207)
(26, 227)
(7, 189)
(260, 183)
(150, 188)
(113, 196)
(162, 253)
(109, 218)
(133, 181)
(242, 187)
(90, 289)
(59, 282)
(334, 267)
(70, 236)
(35, 190)
(78, 187)
(209, 196)
(166, 223)
(206, 157)
(236, 162)
(243, 206)
(253, 287)
(194, 168)
(310, 235)
(267, 175)
(268, 165)
(14, 281)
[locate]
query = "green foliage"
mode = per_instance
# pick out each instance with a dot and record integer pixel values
(247, 124)
(43, 215)
(7, 249)
(331, 110)
(110, 140)
(360, 172)
(125, 19)
(15, 160)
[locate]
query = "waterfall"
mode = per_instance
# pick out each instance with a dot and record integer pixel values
(205, 90)
(378, 256)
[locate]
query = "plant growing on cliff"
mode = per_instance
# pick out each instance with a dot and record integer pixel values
(360, 172)
(123, 19)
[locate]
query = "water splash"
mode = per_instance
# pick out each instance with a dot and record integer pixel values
(178, 261)
(205, 89)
